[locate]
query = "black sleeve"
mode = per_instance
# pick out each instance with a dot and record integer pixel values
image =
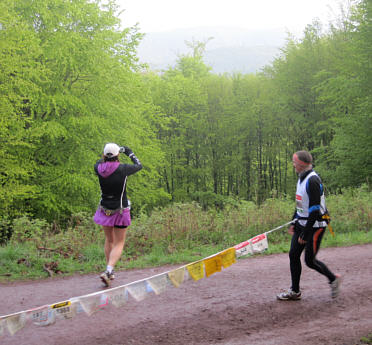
(314, 191)
(133, 168)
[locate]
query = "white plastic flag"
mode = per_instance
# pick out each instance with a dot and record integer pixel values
(42, 316)
(259, 243)
(138, 290)
(16, 322)
(1, 327)
(243, 248)
(117, 296)
(93, 302)
(158, 283)
(149, 287)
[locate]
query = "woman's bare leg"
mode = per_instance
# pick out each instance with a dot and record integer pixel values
(119, 235)
(109, 241)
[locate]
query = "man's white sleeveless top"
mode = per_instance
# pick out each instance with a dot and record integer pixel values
(302, 202)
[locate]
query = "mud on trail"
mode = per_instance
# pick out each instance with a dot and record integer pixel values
(237, 306)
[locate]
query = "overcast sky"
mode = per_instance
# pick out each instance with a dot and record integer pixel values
(164, 15)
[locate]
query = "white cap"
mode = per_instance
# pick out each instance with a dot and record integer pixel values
(111, 150)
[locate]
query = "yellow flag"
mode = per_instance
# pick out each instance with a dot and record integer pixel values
(177, 276)
(228, 257)
(196, 270)
(212, 265)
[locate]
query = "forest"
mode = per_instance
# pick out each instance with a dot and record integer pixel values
(70, 81)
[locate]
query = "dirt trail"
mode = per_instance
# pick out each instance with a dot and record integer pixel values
(234, 307)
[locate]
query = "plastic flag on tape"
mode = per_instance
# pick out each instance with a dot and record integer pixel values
(42, 316)
(117, 296)
(138, 290)
(177, 276)
(93, 302)
(158, 283)
(228, 257)
(259, 243)
(66, 309)
(196, 270)
(2, 322)
(212, 265)
(48, 314)
(149, 287)
(16, 322)
(243, 248)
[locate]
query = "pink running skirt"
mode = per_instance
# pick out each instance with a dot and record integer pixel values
(116, 219)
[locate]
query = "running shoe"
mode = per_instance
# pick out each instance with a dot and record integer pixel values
(105, 277)
(335, 286)
(112, 275)
(290, 295)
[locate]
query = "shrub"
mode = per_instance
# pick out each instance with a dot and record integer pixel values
(26, 229)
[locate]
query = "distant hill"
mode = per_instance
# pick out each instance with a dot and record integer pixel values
(240, 59)
(230, 50)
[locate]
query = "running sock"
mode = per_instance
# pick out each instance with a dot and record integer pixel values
(109, 269)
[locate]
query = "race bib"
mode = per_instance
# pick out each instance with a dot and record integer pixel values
(299, 206)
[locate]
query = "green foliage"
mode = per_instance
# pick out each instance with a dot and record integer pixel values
(367, 339)
(70, 82)
(345, 93)
(19, 73)
(26, 229)
(351, 205)
(5, 229)
(178, 233)
(68, 85)
(50, 241)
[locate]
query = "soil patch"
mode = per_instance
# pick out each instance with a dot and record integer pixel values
(237, 306)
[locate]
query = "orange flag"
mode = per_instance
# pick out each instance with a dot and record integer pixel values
(212, 265)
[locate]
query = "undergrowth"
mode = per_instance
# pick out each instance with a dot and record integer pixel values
(178, 233)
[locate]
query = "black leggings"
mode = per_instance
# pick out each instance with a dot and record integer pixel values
(311, 249)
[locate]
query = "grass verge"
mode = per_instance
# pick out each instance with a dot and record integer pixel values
(22, 263)
(177, 234)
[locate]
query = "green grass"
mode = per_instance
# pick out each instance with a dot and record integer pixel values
(159, 257)
(31, 265)
(367, 339)
(177, 234)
